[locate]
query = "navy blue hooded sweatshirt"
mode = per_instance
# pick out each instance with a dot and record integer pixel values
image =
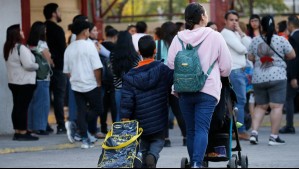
(145, 96)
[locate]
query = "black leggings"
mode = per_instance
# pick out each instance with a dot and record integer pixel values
(175, 107)
(22, 95)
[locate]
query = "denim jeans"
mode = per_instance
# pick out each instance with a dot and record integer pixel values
(72, 104)
(238, 81)
(58, 87)
(117, 103)
(152, 144)
(39, 107)
(87, 115)
(197, 109)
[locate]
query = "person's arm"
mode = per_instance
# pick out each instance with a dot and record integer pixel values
(47, 55)
(172, 52)
(224, 59)
(98, 75)
(60, 41)
(104, 52)
(292, 69)
(127, 101)
(95, 62)
(26, 59)
(233, 42)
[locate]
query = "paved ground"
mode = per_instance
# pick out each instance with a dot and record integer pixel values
(54, 151)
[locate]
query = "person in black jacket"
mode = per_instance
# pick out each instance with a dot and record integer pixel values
(145, 99)
(57, 45)
(293, 76)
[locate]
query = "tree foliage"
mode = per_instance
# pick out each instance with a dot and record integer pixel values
(262, 6)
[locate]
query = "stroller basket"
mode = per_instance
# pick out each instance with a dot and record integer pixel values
(121, 146)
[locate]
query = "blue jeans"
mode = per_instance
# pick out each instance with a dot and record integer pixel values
(117, 101)
(72, 104)
(238, 81)
(197, 110)
(39, 107)
(153, 145)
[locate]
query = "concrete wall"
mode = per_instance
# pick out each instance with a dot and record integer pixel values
(10, 14)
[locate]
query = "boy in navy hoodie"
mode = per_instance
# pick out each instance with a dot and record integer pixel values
(145, 99)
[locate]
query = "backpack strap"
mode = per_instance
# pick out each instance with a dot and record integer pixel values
(19, 48)
(211, 68)
(182, 43)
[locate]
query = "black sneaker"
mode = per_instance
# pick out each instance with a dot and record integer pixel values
(167, 143)
(15, 137)
(150, 161)
(276, 142)
(41, 132)
(254, 139)
(61, 130)
(49, 129)
(287, 130)
(26, 137)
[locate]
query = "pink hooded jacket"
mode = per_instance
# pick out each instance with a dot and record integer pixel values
(213, 48)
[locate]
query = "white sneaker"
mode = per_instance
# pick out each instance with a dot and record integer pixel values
(276, 142)
(92, 138)
(86, 144)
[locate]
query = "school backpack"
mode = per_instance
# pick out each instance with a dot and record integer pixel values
(44, 67)
(188, 74)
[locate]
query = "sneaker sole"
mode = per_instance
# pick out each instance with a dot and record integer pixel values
(271, 143)
(150, 161)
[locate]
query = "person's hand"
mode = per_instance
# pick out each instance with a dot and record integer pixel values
(124, 119)
(239, 30)
(98, 46)
(294, 83)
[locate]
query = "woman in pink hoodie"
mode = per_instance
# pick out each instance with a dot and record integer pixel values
(198, 107)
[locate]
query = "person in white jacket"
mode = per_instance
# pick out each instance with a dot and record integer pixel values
(238, 44)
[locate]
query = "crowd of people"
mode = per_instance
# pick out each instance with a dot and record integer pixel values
(131, 75)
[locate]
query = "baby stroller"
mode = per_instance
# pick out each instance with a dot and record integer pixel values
(121, 146)
(223, 126)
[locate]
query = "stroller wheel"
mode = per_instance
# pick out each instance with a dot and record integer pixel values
(184, 163)
(233, 162)
(244, 161)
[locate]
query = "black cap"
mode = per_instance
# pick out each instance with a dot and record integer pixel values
(79, 26)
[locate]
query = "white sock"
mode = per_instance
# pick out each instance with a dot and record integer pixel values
(274, 136)
(254, 132)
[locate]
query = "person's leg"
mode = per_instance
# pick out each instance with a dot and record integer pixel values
(58, 85)
(144, 148)
(258, 117)
(117, 103)
(174, 103)
(46, 104)
(290, 110)
(276, 117)
(81, 102)
(188, 112)
(112, 103)
(106, 104)
(16, 95)
(72, 105)
(238, 80)
(94, 99)
(156, 146)
(204, 108)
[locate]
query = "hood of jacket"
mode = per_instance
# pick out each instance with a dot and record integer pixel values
(145, 77)
(195, 36)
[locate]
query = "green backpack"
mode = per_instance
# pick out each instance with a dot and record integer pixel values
(188, 74)
(44, 67)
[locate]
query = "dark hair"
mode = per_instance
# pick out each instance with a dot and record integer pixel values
(268, 26)
(231, 12)
(12, 38)
(147, 46)
(37, 32)
(91, 26)
(169, 31)
(250, 29)
(111, 33)
(130, 27)
(49, 9)
(79, 26)
(107, 28)
(293, 19)
(193, 15)
(141, 27)
(210, 24)
(158, 32)
(80, 17)
(124, 57)
(282, 26)
(179, 25)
